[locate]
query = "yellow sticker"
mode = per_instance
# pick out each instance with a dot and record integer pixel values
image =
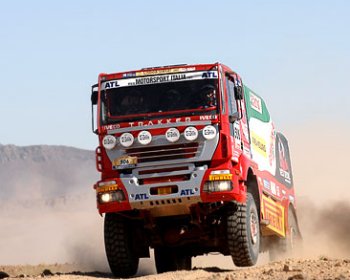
(108, 188)
(220, 177)
(259, 144)
(125, 161)
(274, 213)
(164, 71)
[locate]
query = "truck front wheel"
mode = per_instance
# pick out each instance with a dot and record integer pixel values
(121, 256)
(243, 233)
(168, 259)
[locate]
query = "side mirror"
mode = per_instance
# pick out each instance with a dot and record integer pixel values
(94, 94)
(94, 99)
(234, 117)
(238, 92)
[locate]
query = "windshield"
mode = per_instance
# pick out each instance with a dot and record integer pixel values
(135, 101)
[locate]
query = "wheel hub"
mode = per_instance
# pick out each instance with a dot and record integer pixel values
(253, 228)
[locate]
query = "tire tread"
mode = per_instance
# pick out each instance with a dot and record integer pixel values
(121, 258)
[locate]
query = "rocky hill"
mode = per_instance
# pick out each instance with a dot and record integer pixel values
(44, 172)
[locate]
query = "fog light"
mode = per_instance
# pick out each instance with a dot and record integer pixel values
(109, 142)
(191, 133)
(144, 137)
(209, 132)
(172, 135)
(126, 139)
(217, 186)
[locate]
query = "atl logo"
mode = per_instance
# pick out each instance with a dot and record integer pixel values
(187, 192)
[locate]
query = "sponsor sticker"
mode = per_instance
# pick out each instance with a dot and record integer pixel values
(267, 185)
(259, 144)
(220, 177)
(255, 102)
(164, 71)
(237, 135)
(158, 79)
(274, 213)
(187, 192)
(141, 196)
(165, 121)
(108, 188)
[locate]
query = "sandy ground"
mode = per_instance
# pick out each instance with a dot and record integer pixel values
(322, 268)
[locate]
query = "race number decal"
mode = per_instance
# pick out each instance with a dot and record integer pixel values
(124, 162)
(237, 135)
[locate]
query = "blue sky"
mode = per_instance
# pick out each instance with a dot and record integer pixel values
(296, 54)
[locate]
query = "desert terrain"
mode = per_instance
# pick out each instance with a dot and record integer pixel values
(50, 226)
(322, 268)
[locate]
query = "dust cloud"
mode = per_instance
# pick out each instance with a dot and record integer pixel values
(62, 230)
(320, 153)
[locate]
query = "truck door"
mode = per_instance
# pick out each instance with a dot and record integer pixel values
(238, 119)
(233, 111)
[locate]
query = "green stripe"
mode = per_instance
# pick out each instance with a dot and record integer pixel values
(249, 95)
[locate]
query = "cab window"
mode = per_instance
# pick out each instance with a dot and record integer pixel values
(231, 96)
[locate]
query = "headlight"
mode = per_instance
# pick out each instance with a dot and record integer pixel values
(217, 186)
(209, 132)
(126, 139)
(144, 137)
(191, 133)
(105, 197)
(109, 142)
(172, 134)
(111, 196)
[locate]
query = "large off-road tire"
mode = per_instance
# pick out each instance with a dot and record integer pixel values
(290, 245)
(168, 259)
(121, 255)
(243, 233)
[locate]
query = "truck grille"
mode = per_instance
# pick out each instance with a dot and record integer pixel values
(166, 152)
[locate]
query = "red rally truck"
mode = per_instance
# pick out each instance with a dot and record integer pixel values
(190, 164)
